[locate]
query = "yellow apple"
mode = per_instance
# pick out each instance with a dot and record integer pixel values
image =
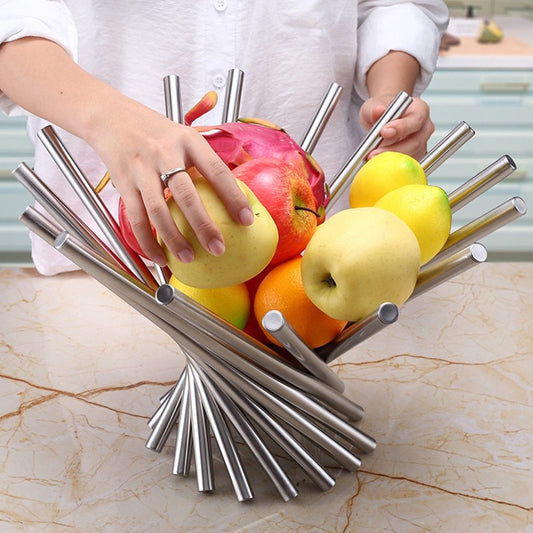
(249, 249)
(230, 303)
(357, 260)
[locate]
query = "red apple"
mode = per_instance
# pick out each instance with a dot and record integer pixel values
(125, 229)
(283, 189)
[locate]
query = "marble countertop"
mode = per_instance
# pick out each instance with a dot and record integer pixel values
(515, 51)
(447, 392)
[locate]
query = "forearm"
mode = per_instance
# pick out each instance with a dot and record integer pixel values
(41, 77)
(135, 143)
(395, 72)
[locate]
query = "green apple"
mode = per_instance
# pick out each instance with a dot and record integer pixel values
(357, 260)
(249, 249)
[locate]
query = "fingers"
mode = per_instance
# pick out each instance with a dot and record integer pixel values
(188, 200)
(146, 205)
(408, 134)
(222, 180)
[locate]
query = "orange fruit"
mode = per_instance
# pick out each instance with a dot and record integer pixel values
(282, 290)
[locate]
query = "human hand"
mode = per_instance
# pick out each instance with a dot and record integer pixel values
(137, 145)
(408, 134)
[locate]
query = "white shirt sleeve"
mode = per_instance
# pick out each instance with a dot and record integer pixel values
(50, 19)
(412, 27)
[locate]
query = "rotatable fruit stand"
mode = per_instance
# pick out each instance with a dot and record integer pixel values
(233, 387)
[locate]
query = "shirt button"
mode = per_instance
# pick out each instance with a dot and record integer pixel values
(220, 5)
(219, 80)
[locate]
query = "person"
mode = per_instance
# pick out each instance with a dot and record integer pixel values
(94, 69)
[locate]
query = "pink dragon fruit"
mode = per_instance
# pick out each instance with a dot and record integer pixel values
(250, 138)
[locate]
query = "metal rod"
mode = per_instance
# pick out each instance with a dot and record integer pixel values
(480, 227)
(183, 448)
(232, 99)
(358, 332)
(223, 437)
(321, 118)
(283, 438)
(449, 267)
(252, 439)
(484, 180)
(42, 226)
(373, 138)
(94, 204)
(180, 383)
(203, 458)
(186, 309)
(173, 107)
(293, 417)
(174, 112)
(165, 422)
(274, 322)
(59, 211)
(446, 147)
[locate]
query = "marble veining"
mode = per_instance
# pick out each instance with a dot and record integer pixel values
(447, 392)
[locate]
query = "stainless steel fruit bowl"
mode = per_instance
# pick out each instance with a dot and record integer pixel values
(232, 383)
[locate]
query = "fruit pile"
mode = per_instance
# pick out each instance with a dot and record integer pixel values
(320, 274)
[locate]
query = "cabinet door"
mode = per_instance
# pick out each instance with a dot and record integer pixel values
(15, 147)
(498, 105)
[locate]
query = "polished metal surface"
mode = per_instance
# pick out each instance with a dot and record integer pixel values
(223, 437)
(274, 322)
(482, 226)
(446, 147)
(253, 440)
(201, 442)
(268, 423)
(172, 90)
(232, 98)
(320, 119)
(180, 384)
(481, 182)
(357, 332)
(183, 449)
(166, 420)
(448, 267)
(60, 212)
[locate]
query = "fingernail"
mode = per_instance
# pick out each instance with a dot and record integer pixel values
(389, 132)
(216, 247)
(186, 255)
(246, 216)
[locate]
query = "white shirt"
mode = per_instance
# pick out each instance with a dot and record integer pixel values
(289, 50)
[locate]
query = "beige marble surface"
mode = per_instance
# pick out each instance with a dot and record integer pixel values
(447, 393)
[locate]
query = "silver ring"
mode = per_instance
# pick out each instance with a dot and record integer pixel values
(167, 175)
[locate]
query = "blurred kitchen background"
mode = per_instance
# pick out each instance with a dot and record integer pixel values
(486, 84)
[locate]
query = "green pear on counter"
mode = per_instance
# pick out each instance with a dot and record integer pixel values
(357, 260)
(249, 249)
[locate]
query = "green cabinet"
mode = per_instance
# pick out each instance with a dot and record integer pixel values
(15, 147)
(498, 105)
